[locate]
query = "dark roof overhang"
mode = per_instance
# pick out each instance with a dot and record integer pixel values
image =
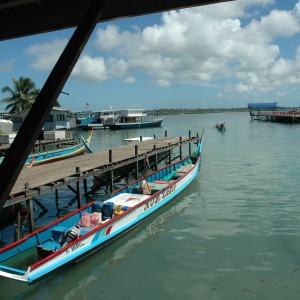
(26, 17)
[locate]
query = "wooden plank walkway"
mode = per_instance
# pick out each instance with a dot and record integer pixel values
(41, 179)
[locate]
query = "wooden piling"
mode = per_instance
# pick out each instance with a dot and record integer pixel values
(79, 199)
(190, 146)
(136, 151)
(180, 148)
(31, 216)
(111, 180)
(155, 158)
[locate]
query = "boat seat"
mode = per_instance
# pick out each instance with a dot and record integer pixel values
(56, 232)
(158, 185)
(169, 176)
(183, 170)
(50, 245)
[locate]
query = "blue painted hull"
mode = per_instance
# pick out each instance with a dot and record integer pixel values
(45, 157)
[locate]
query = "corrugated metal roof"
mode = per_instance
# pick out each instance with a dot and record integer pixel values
(262, 105)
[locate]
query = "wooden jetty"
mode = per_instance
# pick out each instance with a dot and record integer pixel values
(292, 116)
(270, 112)
(43, 179)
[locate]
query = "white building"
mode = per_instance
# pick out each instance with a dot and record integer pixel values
(59, 118)
(6, 126)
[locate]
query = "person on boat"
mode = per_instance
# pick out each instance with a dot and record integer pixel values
(71, 235)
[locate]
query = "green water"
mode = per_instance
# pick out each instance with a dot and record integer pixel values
(232, 234)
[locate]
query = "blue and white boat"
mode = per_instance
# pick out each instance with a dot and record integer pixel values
(46, 157)
(134, 118)
(87, 120)
(82, 231)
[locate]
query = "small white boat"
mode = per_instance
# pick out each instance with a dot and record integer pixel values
(138, 139)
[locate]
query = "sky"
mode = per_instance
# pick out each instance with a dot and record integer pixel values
(217, 56)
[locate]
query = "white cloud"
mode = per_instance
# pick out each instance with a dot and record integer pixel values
(235, 9)
(276, 24)
(193, 46)
(7, 66)
(163, 82)
(129, 79)
(199, 45)
(242, 88)
(90, 69)
(46, 55)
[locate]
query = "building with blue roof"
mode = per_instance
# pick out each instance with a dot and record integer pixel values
(259, 106)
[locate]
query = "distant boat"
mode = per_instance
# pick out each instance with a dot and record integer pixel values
(138, 139)
(87, 120)
(221, 126)
(134, 118)
(85, 230)
(45, 157)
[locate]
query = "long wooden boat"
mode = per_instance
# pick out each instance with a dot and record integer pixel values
(85, 230)
(45, 157)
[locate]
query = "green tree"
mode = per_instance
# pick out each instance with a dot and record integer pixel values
(22, 95)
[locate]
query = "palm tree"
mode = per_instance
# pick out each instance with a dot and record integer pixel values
(23, 95)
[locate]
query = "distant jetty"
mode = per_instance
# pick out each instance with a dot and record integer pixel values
(270, 112)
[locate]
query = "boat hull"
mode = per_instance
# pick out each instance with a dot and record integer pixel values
(95, 126)
(117, 126)
(46, 157)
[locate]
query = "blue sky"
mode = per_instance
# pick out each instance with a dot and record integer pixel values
(221, 55)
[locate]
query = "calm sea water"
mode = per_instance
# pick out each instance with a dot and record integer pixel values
(234, 233)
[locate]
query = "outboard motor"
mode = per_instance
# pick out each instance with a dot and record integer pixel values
(71, 235)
